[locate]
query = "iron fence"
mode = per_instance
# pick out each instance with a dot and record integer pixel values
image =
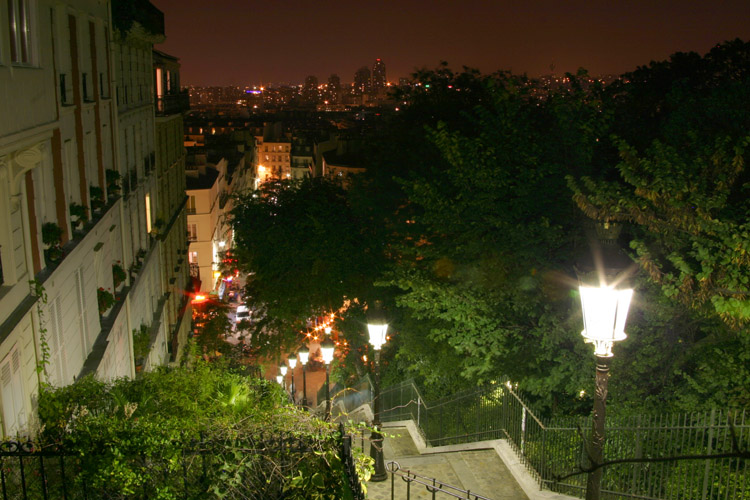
(29, 471)
(432, 485)
(347, 399)
(347, 457)
(553, 448)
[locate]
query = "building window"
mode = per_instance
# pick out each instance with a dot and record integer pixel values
(85, 84)
(192, 232)
(148, 212)
(14, 416)
(63, 89)
(193, 257)
(191, 205)
(19, 20)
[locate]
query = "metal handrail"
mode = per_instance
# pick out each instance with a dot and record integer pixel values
(430, 483)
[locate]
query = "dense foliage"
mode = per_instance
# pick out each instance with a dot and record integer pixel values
(203, 432)
(474, 220)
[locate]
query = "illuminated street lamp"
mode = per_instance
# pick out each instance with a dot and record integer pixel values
(304, 357)
(280, 379)
(377, 328)
(283, 369)
(292, 360)
(604, 312)
(326, 350)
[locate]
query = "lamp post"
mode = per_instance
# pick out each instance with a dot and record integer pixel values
(282, 369)
(304, 356)
(377, 328)
(604, 312)
(292, 361)
(326, 350)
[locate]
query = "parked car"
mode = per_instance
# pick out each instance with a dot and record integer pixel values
(242, 314)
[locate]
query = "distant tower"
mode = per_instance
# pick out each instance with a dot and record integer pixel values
(362, 84)
(334, 89)
(310, 90)
(378, 76)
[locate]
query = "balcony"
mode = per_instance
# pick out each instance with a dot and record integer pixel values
(171, 104)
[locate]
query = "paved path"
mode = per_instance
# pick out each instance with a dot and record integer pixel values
(477, 471)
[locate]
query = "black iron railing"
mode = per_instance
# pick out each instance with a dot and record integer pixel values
(553, 448)
(347, 457)
(170, 104)
(432, 485)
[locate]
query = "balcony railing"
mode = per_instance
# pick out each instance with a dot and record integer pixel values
(170, 104)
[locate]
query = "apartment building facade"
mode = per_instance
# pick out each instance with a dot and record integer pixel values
(84, 265)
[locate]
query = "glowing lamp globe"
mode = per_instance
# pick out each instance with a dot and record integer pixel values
(292, 360)
(282, 369)
(377, 334)
(604, 312)
(326, 350)
(304, 355)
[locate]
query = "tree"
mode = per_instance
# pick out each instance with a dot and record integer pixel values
(305, 252)
(681, 183)
(496, 232)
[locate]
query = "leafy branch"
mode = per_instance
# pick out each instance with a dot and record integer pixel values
(37, 290)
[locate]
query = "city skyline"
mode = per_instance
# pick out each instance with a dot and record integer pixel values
(283, 42)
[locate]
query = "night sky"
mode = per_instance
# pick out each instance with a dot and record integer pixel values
(233, 42)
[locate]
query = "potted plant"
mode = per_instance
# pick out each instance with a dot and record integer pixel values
(51, 234)
(141, 343)
(113, 182)
(78, 215)
(97, 198)
(52, 237)
(105, 300)
(118, 274)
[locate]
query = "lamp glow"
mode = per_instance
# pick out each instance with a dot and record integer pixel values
(604, 312)
(377, 334)
(304, 355)
(326, 350)
(283, 369)
(292, 360)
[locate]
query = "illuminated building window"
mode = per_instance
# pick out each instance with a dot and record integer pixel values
(148, 212)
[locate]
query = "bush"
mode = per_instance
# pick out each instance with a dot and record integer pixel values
(201, 432)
